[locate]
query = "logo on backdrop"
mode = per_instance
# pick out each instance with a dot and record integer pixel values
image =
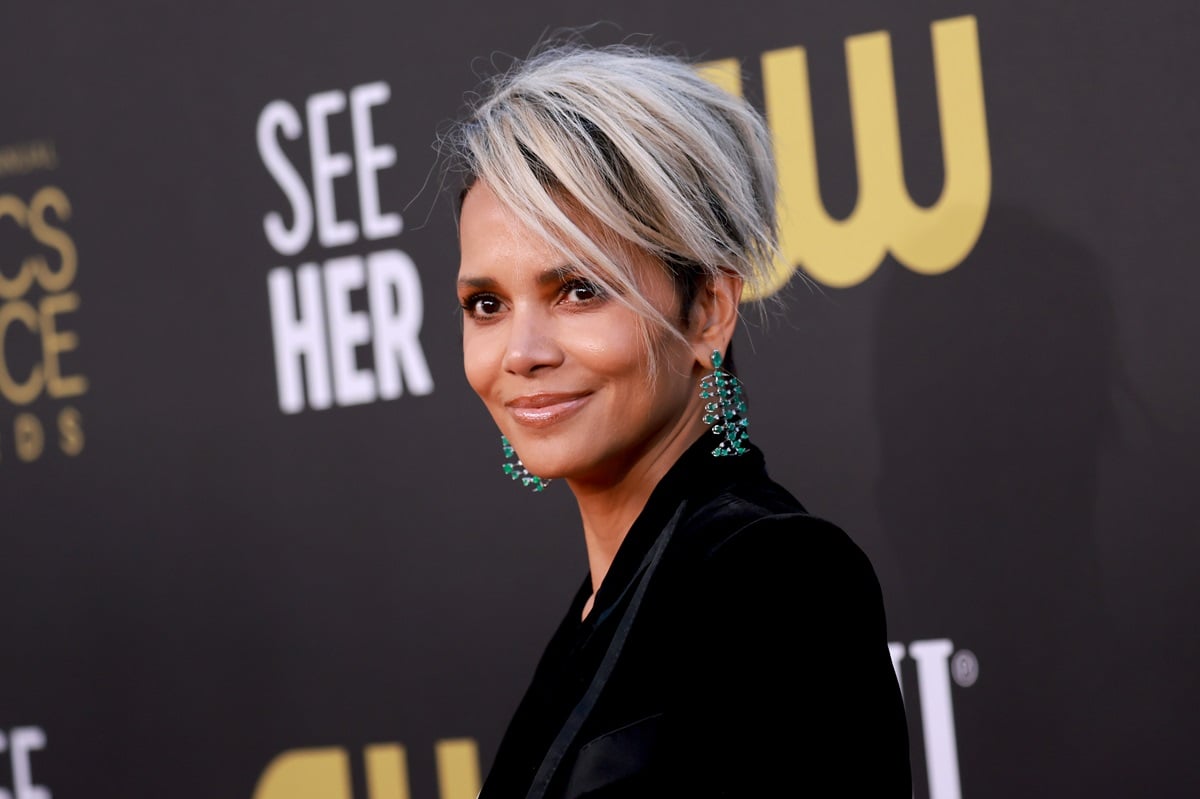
(39, 370)
(845, 252)
(318, 335)
(21, 742)
(937, 663)
(325, 773)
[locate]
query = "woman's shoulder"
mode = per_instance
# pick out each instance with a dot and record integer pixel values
(751, 563)
(753, 500)
(735, 524)
(737, 516)
(762, 525)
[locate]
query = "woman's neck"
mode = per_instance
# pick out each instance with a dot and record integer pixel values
(609, 510)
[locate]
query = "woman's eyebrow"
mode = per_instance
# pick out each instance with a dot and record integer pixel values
(556, 275)
(548, 277)
(476, 283)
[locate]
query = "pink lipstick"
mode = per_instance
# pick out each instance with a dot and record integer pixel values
(545, 409)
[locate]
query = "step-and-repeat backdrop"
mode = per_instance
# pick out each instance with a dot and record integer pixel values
(256, 539)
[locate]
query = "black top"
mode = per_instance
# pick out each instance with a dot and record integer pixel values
(755, 664)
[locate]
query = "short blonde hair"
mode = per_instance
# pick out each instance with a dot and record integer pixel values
(663, 159)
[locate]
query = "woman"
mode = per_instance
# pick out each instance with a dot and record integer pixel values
(724, 642)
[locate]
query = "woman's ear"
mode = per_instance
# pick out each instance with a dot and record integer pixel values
(714, 315)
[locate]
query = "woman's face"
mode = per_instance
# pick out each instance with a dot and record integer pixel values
(562, 368)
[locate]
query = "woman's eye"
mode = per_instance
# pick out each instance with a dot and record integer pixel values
(582, 291)
(481, 305)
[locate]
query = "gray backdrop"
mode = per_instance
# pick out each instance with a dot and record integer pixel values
(256, 540)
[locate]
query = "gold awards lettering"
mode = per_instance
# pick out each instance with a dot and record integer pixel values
(37, 341)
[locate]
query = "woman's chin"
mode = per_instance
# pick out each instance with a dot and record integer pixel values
(547, 468)
(555, 463)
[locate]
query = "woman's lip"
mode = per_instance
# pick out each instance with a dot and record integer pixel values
(541, 410)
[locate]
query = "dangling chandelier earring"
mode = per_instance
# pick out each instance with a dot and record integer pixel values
(516, 470)
(726, 411)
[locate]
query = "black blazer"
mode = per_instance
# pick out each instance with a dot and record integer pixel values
(756, 663)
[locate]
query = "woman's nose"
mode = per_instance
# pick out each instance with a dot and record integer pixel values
(532, 344)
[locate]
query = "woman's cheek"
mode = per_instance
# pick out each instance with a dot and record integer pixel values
(609, 341)
(477, 363)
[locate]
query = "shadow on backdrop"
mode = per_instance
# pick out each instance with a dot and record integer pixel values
(993, 391)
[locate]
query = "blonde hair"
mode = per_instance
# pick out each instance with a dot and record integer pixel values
(664, 160)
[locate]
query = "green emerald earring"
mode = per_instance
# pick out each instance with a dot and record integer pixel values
(516, 470)
(725, 412)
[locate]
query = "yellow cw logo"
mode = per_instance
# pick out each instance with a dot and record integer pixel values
(324, 773)
(845, 252)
